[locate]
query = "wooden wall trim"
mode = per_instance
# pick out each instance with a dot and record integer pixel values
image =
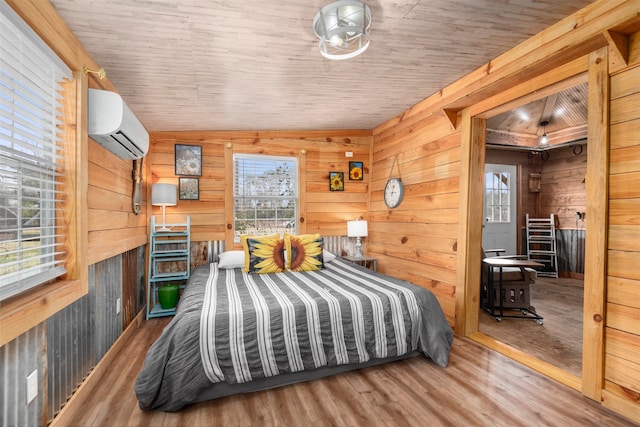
(302, 193)
(597, 184)
(308, 136)
(569, 39)
(109, 249)
(228, 195)
(76, 157)
(469, 228)
(566, 76)
(20, 314)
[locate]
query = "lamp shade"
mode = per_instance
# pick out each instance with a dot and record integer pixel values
(357, 228)
(164, 195)
(342, 28)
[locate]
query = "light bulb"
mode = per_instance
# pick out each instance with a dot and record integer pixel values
(544, 139)
(335, 40)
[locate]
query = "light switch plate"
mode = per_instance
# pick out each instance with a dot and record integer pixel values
(32, 386)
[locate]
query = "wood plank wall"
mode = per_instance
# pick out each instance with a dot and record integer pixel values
(562, 192)
(417, 241)
(319, 152)
(622, 333)
(113, 227)
(562, 186)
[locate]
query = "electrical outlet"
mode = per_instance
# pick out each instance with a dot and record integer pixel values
(348, 154)
(32, 386)
(118, 306)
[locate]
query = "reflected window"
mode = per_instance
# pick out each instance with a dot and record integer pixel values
(497, 197)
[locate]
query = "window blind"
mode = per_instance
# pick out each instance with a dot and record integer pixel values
(265, 194)
(30, 157)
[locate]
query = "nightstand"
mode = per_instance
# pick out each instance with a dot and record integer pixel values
(365, 261)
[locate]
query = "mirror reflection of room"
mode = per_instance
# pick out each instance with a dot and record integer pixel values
(535, 168)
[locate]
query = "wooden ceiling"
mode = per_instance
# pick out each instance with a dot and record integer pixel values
(255, 65)
(565, 113)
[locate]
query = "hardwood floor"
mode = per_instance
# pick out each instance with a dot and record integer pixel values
(559, 340)
(479, 388)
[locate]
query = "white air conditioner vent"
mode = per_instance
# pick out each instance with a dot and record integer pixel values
(114, 126)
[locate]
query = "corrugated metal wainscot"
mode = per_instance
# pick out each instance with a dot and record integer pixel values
(67, 346)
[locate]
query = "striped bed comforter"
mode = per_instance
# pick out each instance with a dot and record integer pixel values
(235, 328)
(261, 325)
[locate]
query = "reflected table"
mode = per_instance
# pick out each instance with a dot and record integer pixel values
(497, 309)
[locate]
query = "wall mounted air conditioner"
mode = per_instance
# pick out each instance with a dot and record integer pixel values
(114, 126)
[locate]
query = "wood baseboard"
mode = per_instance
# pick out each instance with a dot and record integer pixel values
(85, 390)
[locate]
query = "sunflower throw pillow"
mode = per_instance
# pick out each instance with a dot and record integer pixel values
(263, 254)
(304, 252)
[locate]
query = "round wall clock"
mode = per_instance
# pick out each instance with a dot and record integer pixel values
(393, 192)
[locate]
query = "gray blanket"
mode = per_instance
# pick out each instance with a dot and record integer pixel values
(232, 327)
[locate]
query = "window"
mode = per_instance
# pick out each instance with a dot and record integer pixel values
(265, 194)
(497, 197)
(30, 158)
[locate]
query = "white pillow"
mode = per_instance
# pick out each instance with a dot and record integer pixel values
(231, 259)
(327, 256)
(235, 259)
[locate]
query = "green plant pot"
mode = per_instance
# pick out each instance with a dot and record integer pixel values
(168, 296)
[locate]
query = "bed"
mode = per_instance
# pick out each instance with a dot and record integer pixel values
(237, 332)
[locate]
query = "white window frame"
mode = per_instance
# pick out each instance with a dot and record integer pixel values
(498, 197)
(246, 193)
(30, 146)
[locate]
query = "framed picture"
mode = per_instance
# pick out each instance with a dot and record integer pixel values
(188, 160)
(336, 181)
(189, 189)
(356, 171)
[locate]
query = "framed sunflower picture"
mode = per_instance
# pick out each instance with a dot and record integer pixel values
(188, 160)
(336, 181)
(356, 171)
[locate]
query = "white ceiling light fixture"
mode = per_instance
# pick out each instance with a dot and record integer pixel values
(342, 28)
(544, 140)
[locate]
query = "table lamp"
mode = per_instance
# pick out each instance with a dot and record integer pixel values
(163, 195)
(357, 229)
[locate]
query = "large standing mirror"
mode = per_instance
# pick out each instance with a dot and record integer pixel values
(535, 166)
